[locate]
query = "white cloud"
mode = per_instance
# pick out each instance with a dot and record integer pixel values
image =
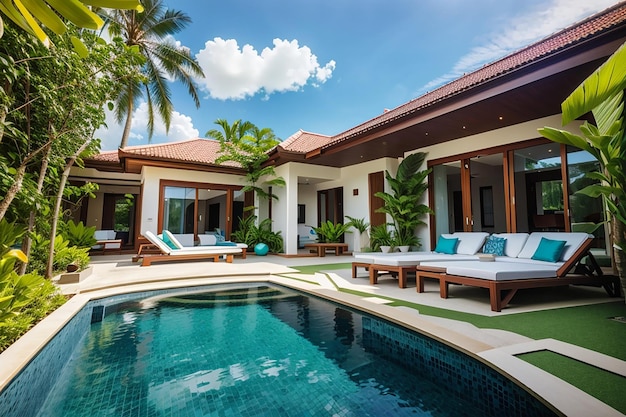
(235, 73)
(181, 128)
(523, 30)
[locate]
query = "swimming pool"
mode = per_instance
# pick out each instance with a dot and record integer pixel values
(264, 350)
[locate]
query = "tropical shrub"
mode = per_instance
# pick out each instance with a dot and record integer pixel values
(359, 224)
(380, 236)
(64, 255)
(403, 203)
(24, 299)
(330, 232)
(78, 234)
(251, 234)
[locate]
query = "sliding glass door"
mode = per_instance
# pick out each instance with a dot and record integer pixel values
(200, 208)
(469, 195)
(179, 209)
(515, 188)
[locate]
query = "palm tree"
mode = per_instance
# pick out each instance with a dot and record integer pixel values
(149, 31)
(247, 145)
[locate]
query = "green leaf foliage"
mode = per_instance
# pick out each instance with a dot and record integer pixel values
(77, 234)
(608, 80)
(251, 234)
(330, 232)
(403, 204)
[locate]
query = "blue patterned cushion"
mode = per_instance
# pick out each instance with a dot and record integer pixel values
(445, 245)
(494, 245)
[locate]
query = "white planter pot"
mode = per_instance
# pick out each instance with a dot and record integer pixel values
(404, 248)
(385, 249)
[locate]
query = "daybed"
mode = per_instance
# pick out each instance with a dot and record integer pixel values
(544, 261)
(107, 240)
(217, 240)
(466, 247)
(190, 253)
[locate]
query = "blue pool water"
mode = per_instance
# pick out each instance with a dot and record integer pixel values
(268, 351)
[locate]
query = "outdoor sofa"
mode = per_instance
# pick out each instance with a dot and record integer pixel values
(546, 259)
(170, 251)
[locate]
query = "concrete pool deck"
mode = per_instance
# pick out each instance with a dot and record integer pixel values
(113, 275)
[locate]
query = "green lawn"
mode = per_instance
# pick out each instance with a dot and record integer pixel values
(586, 326)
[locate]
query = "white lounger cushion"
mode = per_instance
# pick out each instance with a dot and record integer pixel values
(574, 240)
(469, 242)
(416, 258)
(211, 240)
(497, 271)
(514, 243)
(207, 240)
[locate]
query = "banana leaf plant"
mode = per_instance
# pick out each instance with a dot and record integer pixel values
(403, 203)
(32, 16)
(602, 93)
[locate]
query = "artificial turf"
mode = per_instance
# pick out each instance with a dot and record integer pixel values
(588, 326)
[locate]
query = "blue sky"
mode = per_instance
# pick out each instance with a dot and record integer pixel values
(325, 66)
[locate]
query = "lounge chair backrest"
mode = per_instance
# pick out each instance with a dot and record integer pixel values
(514, 243)
(573, 241)
(207, 240)
(157, 242)
(186, 240)
(172, 239)
(469, 242)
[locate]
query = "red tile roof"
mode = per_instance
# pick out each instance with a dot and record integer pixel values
(607, 19)
(200, 151)
(303, 142)
(106, 156)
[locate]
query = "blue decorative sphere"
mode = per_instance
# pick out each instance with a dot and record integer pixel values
(261, 249)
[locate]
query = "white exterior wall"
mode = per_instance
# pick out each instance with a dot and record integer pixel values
(285, 211)
(151, 178)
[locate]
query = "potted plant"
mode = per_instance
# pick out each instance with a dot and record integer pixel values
(602, 93)
(381, 238)
(404, 241)
(403, 203)
(330, 232)
(361, 238)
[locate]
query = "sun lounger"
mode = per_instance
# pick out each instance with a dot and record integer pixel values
(505, 275)
(209, 240)
(185, 254)
(466, 248)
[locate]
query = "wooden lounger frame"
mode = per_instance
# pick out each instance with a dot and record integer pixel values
(501, 292)
(150, 259)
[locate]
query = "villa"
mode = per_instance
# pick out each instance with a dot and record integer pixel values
(491, 170)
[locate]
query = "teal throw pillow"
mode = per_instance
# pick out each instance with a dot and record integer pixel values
(447, 245)
(219, 238)
(166, 239)
(494, 246)
(549, 250)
